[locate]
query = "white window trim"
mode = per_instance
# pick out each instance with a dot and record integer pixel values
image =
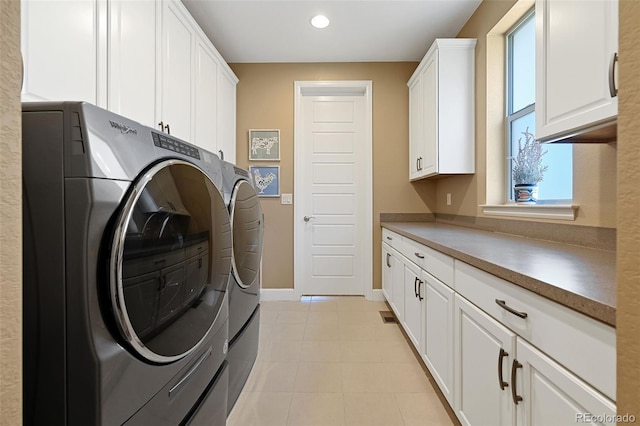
(534, 211)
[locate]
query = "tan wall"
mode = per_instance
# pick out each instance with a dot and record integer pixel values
(10, 216)
(594, 165)
(265, 100)
(628, 267)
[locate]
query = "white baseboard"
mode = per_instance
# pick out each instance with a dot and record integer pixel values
(288, 294)
(277, 294)
(377, 295)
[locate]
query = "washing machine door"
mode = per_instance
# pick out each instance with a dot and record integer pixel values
(170, 261)
(247, 226)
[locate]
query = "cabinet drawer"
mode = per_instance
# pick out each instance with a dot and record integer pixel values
(435, 263)
(391, 238)
(581, 344)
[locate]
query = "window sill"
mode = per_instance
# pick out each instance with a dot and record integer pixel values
(536, 211)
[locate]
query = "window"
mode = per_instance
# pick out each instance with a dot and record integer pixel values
(557, 184)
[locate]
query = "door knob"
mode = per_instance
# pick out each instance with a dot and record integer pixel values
(307, 218)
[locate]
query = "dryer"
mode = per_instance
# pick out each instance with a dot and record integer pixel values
(127, 256)
(247, 227)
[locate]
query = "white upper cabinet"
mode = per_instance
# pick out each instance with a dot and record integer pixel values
(133, 47)
(178, 41)
(576, 54)
(441, 110)
(64, 50)
(206, 98)
(227, 82)
(146, 60)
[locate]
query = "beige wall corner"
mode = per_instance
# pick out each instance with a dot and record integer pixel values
(628, 253)
(10, 215)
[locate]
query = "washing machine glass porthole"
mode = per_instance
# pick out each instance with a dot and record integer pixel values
(246, 222)
(170, 261)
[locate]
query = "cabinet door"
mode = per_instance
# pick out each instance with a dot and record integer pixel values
(551, 395)
(206, 98)
(481, 345)
(429, 164)
(438, 336)
(397, 280)
(227, 115)
(413, 303)
(387, 273)
(416, 125)
(133, 27)
(575, 46)
(64, 50)
(175, 89)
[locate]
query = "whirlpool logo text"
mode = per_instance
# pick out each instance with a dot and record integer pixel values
(123, 128)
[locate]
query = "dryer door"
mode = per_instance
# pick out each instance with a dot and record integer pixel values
(246, 223)
(170, 261)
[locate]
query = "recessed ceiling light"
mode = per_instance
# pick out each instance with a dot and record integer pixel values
(320, 21)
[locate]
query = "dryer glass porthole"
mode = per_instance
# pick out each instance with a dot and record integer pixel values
(246, 221)
(171, 260)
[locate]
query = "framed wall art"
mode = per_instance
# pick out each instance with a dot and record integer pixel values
(264, 145)
(266, 180)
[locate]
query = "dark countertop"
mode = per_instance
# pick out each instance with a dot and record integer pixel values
(583, 279)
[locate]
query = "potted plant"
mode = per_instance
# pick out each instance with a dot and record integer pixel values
(527, 169)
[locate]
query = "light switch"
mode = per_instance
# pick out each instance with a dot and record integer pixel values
(287, 199)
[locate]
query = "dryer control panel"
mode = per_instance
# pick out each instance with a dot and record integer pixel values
(166, 142)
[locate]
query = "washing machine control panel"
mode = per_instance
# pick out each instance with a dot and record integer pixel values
(166, 142)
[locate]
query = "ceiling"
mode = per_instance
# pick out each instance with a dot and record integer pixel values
(360, 30)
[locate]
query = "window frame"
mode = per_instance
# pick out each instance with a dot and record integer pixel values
(510, 115)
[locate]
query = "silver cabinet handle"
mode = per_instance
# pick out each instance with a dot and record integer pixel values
(613, 90)
(388, 257)
(221, 154)
(308, 218)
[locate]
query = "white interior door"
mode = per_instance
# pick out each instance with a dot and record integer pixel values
(333, 203)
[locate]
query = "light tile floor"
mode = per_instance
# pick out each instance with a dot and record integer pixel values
(331, 361)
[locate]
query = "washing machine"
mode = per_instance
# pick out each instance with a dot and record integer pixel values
(127, 257)
(247, 227)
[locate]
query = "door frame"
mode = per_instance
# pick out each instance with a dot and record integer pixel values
(334, 88)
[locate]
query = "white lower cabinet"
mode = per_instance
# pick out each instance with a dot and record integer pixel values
(387, 273)
(484, 350)
(500, 354)
(392, 280)
(413, 303)
(552, 395)
(438, 333)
